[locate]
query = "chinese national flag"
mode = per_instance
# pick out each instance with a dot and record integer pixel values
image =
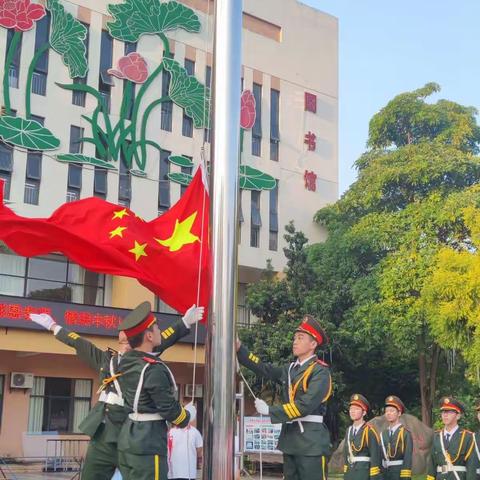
(169, 255)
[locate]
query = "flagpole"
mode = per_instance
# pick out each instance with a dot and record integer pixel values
(219, 407)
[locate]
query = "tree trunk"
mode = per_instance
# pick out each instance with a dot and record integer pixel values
(428, 382)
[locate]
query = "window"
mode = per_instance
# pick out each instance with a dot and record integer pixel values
(273, 219)
(78, 98)
(76, 134)
(39, 79)
(58, 404)
(2, 386)
(6, 167)
(274, 124)
(74, 183)
(243, 312)
(188, 171)
(257, 126)
(164, 183)
(167, 107)
(255, 219)
(105, 81)
(240, 217)
(32, 178)
(50, 277)
(162, 307)
(14, 72)
(124, 183)
(207, 135)
(187, 125)
(100, 182)
(129, 47)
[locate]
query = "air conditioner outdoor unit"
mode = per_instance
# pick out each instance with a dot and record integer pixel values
(21, 380)
(189, 389)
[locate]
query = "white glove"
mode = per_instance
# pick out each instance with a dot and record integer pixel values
(261, 406)
(193, 315)
(190, 408)
(44, 320)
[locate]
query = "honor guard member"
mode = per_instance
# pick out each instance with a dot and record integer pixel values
(361, 449)
(306, 386)
(476, 442)
(104, 421)
(149, 390)
(452, 454)
(396, 442)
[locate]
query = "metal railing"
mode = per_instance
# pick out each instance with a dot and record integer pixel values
(65, 455)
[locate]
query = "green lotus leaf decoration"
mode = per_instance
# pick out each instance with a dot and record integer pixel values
(134, 18)
(27, 134)
(187, 92)
(253, 179)
(67, 37)
(180, 160)
(79, 158)
(181, 178)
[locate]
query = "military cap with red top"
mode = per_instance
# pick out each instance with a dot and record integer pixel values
(451, 404)
(138, 320)
(311, 326)
(360, 401)
(393, 401)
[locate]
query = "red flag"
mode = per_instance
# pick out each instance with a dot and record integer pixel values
(169, 255)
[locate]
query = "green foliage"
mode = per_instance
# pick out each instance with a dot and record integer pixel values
(67, 37)
(134, 18)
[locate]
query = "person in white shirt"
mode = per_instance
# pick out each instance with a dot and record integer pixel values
(185, 451)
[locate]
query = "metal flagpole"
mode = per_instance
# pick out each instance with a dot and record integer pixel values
(220, 369)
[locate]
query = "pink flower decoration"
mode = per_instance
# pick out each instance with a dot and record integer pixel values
(20, 14)
(132, 67)
(248, 112)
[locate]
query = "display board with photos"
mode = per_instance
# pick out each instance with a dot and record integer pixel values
(260, 435)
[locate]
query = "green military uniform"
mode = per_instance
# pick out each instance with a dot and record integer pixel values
(104, 421)
(149, 389)
(397, 447)
(361, 449)
(452, 458)
(476, 445)
(304, 439)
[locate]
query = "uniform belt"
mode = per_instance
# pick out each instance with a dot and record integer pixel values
(478, 471)
(359, 459)
(453, 468)
(144, 417)
(309, 418)
(111, 398)
(391, 463)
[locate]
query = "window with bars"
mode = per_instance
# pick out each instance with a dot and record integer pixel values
(49, 277)
(124, 183)
(274, 124)
(105, 81)
(187, 124)
(167, 107)
(164, 182)
(273, 219)
(14, 72)
(42, 34)
(79, 98)
(255, 219)
(58, 404)
(74, 182)
(100, 182)
(257, 126)
(33, 174)
(6, 167)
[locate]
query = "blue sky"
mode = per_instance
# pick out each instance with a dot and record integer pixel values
(387, 47)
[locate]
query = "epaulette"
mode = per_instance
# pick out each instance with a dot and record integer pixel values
(372, 428)
(322, 363)
(150, 360)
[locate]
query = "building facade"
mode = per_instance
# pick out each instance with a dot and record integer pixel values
(115, 128)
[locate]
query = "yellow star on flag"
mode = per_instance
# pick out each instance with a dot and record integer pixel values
(117, 232)
(181, 234)
(120, 214)
(138, 250)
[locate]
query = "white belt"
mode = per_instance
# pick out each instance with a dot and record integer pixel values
(145, 417)
(309, 418)
(111, 398)
(391, 463)
(359, 459)
(478, 471)
(450, 468)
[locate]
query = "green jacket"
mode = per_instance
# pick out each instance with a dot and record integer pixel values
(398, 447)
(157, 396)
(310, 387)
(460, 450)
(365, 443)
(99, 360)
